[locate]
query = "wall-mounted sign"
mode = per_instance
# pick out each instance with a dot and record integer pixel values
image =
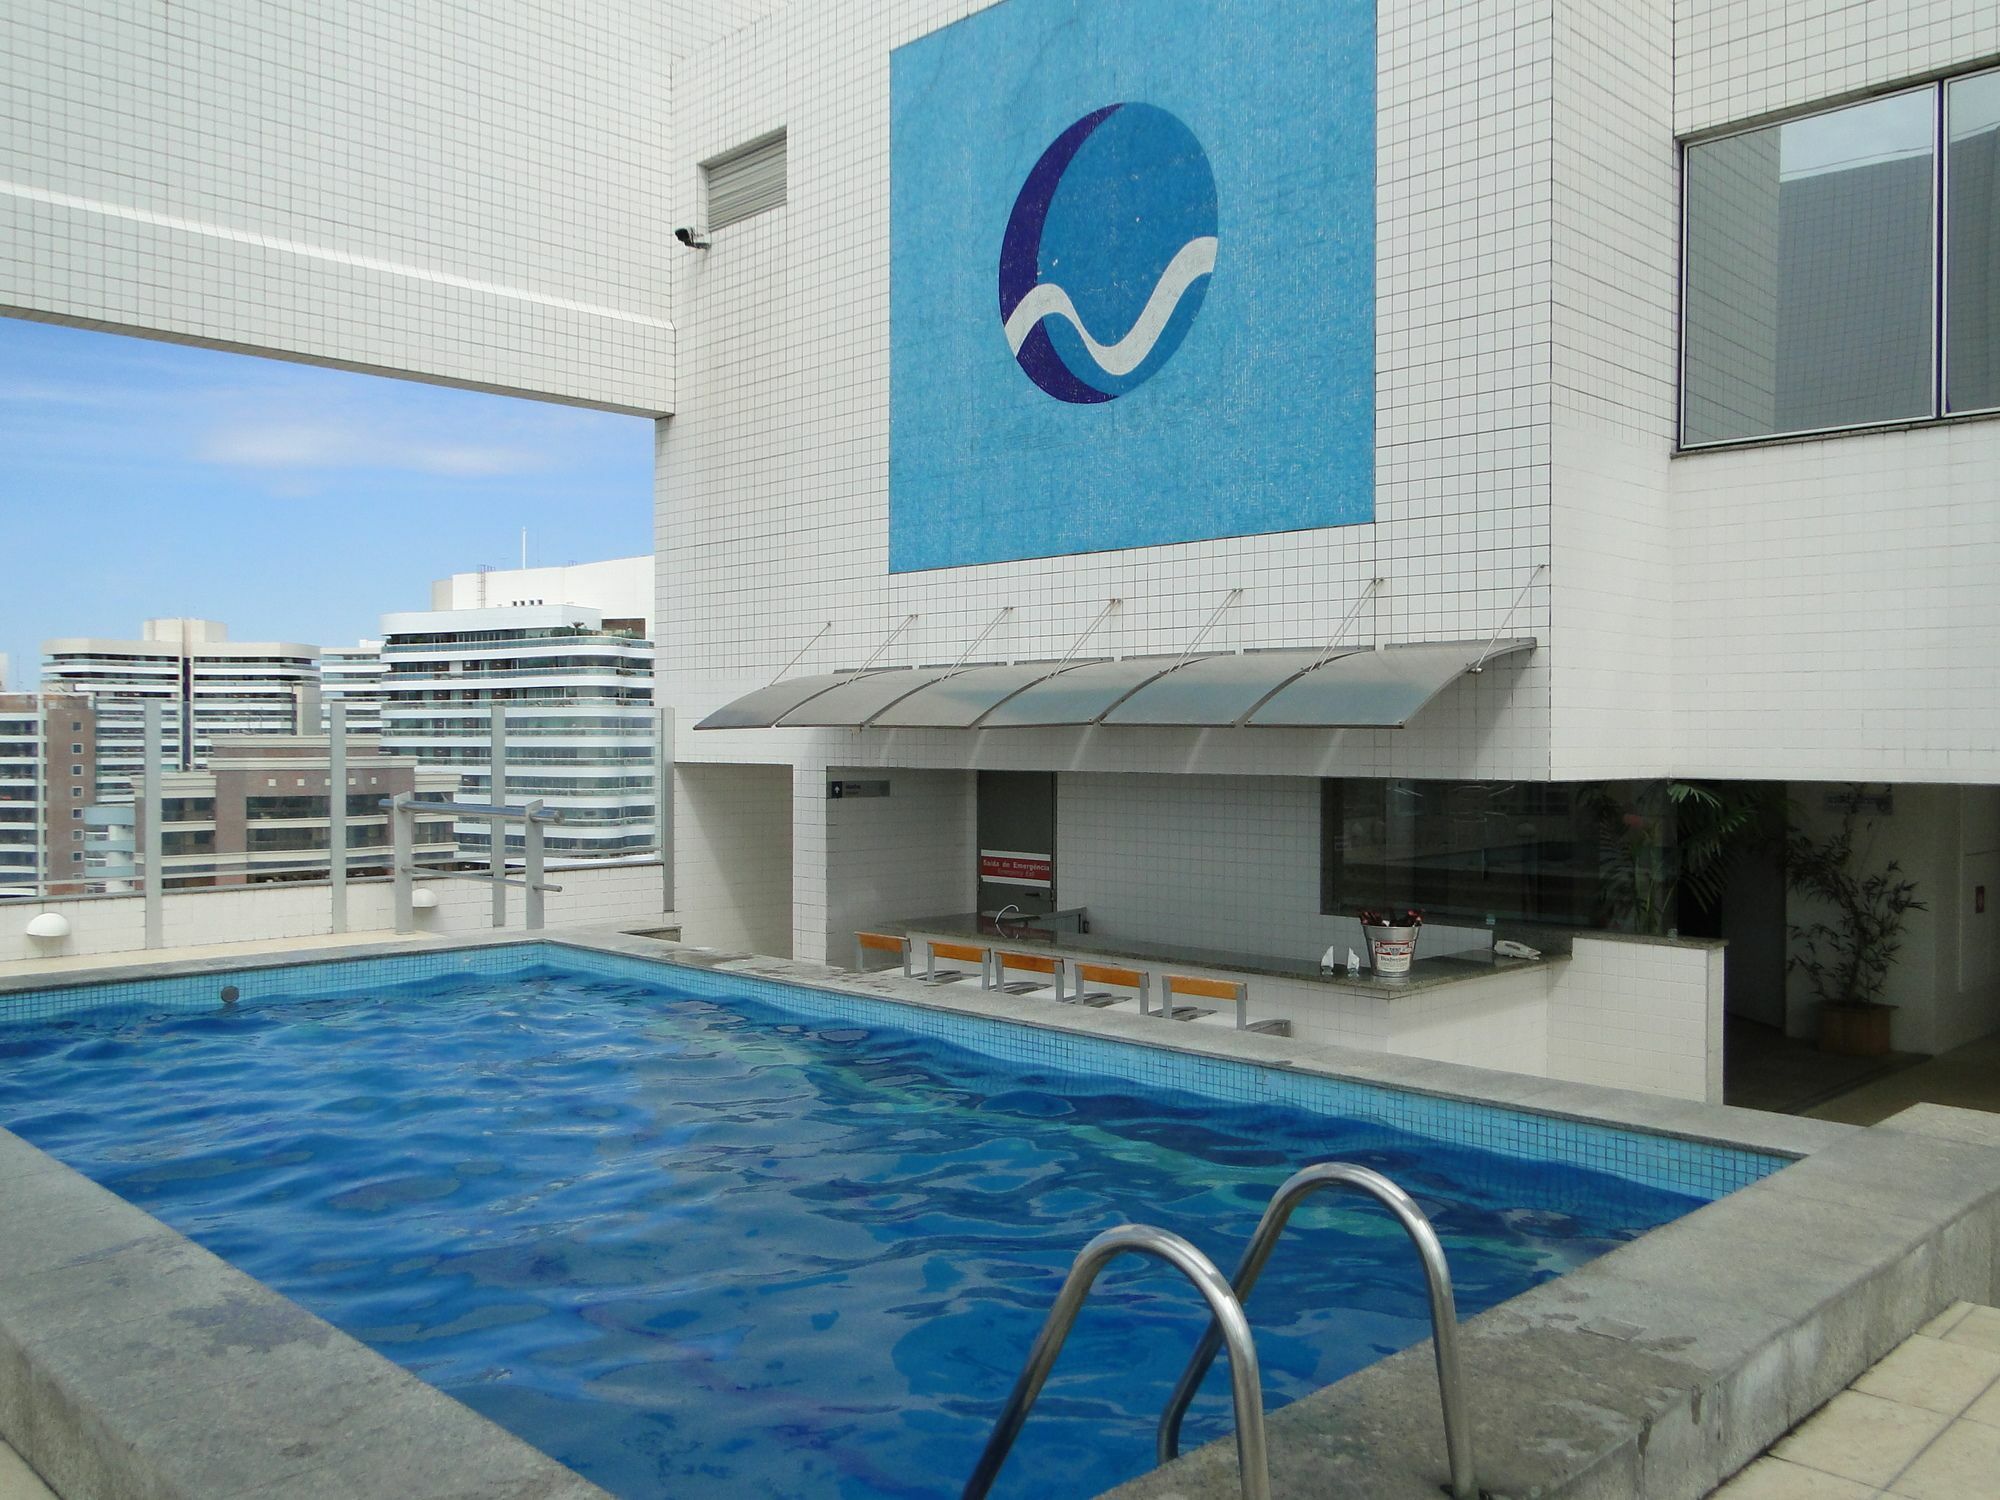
(840, 789)
(1131, 277)
(1010, 867)
(1860, 800)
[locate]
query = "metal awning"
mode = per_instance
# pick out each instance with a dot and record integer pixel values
(1376, 689)
(1082, 695)
(961, 700)
(1295, 688)
(770, 703)
(858, 700)
(1216, 691)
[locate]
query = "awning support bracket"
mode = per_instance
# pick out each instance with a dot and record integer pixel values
(799, 655)
(1512, 609)
(991, 625)
(889, 640)
(1353, 612)
(1228, 599)
(1091, 629)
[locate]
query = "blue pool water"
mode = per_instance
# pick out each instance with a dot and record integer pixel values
(695, 1243)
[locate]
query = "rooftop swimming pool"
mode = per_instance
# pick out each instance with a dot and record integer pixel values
(700, 1234)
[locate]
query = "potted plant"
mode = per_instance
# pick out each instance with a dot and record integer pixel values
(1664, 838)
(1846, 960)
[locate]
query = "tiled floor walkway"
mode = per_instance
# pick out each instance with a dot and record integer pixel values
(17, 1480)
(1924, 1424)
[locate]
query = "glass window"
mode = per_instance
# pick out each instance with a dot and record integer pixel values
(1518, 850)
(1810, 298)
(1972, 244)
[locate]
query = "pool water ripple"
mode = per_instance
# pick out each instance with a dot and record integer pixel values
(695, 1248)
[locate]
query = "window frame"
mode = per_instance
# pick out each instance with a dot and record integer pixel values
(1937, 86)
(1942, 233)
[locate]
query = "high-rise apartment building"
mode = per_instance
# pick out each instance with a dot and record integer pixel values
(261, 812)
(208, 685)
(619, 588)
(580, 726)
(352, 675)
(47, 753)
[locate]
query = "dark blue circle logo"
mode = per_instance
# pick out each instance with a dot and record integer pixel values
(1108, 253)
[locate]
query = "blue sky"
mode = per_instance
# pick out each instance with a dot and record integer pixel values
(140, 479)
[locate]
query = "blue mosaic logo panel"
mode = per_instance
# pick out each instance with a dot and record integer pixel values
(1132, 277)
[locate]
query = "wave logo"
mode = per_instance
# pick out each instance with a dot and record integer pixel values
(1108, 253)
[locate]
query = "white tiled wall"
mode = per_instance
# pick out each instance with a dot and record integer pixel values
(1612, 296)
(733, 856)
(893, 858)
(1835, 605)
(463, 190)
(772, 516)
(1224, 862)
(1638, 1015)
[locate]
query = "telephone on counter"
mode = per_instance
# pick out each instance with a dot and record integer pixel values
(1508, 948)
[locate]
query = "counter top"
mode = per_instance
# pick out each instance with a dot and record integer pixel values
(1425, 973)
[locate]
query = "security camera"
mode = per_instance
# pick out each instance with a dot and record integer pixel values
(694, 239)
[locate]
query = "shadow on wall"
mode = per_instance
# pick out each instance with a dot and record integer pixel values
(733, 856)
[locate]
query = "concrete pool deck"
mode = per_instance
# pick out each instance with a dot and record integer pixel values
(1658, 1370)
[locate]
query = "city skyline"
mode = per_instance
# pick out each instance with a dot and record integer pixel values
(155, 479)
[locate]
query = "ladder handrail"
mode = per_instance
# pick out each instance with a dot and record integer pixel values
(1227, 1324)
(1444, 1313)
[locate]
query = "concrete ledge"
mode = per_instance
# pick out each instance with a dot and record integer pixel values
(1655, 1372)
(134, 1365)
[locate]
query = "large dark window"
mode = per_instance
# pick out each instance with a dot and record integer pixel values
(1511, 850)
(256, 808)
(1810, 257)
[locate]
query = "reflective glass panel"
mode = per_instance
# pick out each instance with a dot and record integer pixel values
(1972, 244)
(1810, 285)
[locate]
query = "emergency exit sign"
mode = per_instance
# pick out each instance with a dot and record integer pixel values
(1012, 867)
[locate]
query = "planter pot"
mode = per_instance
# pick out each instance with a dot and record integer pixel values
(1390, 949)
(1855, 1028)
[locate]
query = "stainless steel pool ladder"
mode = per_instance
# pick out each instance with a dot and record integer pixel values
(1226, 1326)
(1444, 1313)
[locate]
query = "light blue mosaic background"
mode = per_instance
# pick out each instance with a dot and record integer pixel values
(1263, 419)
(1697, 1168)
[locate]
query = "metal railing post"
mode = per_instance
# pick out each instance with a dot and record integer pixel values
(153, 881)
(663, 807)
(496, 862)
(336, 815)
(531, 865)
(402, 835)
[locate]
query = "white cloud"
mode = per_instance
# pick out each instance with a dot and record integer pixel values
(326, 445)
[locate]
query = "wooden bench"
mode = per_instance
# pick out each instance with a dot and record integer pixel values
(958, 953)
(1045, 964)
(1232, 990)
(866, 943)
(1102, 974)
